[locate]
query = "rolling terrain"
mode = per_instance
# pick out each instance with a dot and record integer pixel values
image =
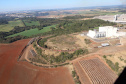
(21, 72)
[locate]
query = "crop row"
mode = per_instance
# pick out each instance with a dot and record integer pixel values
(97, 71)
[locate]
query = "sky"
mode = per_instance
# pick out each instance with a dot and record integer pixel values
(12, 5)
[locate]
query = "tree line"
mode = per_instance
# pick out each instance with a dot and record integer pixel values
(77, 17)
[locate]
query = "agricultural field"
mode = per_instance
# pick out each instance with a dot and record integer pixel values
(93, 70)
(22, 72)
(31, 23)
(33, 31)
(11, 25)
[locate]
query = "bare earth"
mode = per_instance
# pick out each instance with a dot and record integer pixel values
(18, 72)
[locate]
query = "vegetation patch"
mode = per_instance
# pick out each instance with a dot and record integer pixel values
(31, 23)
(11, 25)
(114, 66)
(87, 41)
(76, 77)
(77, 17)
(68, 27)
(64, 56)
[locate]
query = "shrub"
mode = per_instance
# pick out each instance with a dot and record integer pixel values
(115, 66)
(125, 61)
(80, 51)
(104, 56)
(87, 41)
(73, 73)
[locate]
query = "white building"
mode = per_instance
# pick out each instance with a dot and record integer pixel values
(106, 31)
(110, 31)
(91, 34)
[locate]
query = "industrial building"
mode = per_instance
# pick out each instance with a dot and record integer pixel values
(106, 31)
(96, 34)
(119, 18)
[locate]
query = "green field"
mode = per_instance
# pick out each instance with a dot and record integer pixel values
(11, 25)
(33, 31)
(31, 23)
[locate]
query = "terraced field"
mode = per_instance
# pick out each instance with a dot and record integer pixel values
(95, 71)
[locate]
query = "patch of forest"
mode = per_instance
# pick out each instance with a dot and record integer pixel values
(4, 20)
(68, 27)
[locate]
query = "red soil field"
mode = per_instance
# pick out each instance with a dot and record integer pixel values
(18, 72)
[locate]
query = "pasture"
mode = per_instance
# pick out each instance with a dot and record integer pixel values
(11, 25)
(31, 23)
(33, 31)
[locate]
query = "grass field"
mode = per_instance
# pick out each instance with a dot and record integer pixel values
(11, 25)
(30, 23)
(33, 31)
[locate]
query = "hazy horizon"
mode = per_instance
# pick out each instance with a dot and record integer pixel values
(14, 5)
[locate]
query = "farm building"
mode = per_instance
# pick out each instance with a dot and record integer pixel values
(106, 31)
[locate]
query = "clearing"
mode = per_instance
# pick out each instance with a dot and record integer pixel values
(11, 25)
(66, 42)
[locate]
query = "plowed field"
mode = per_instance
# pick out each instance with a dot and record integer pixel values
(14, 72)
(94, 71)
